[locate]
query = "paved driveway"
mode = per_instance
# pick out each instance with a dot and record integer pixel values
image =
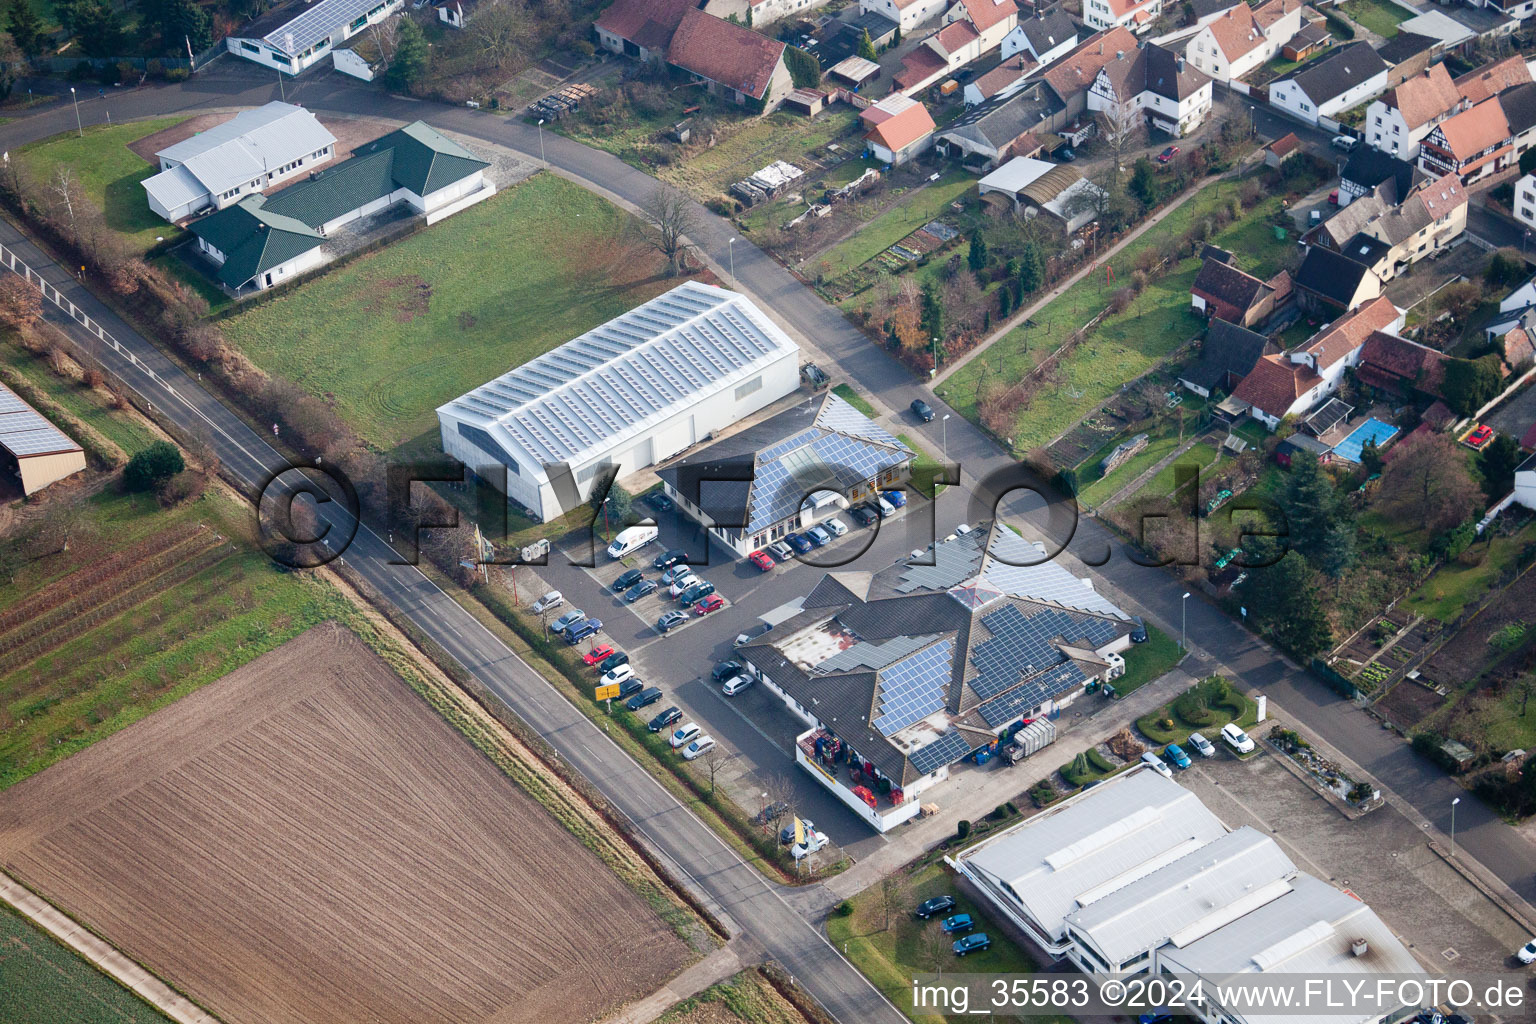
(1517, 415)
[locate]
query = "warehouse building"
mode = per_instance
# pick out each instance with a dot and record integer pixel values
(628, 394)
(34, 449)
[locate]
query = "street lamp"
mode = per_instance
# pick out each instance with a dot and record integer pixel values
(944, 426)
(1454, 802)
(78, 126)
(935, 357)
(542, 160)
(730, 247)
(1184, 622)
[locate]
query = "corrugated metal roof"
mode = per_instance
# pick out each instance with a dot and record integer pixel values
(609, 384)
(245, 147)
(176, 187)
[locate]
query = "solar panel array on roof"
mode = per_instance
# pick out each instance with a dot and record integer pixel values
(24, 432)
(1045, 581)
(945, 750)
(870, 654)
(913, 688)
(842, 417)
(1022, 645)
(999, 711)
(317, 22)
(954, 561)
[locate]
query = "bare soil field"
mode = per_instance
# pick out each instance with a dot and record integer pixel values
(306, 841)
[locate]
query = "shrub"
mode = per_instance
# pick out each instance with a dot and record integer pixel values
(962, 829)
(843, 909)
(153, 466)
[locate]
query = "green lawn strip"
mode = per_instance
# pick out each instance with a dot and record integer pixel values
(1093, 767)
(1198, 457)
(1457, 585)
(108, 172)
(910, 213)
(891, 957)
(89, 407)
(1379, 16)
(400, 331)
(1148, 661)
(853, 398)
(1236, 708)
(924, 467)
(1121, 476)
(747, 997)
(46, 983)
(1124, 346)
(173, 266)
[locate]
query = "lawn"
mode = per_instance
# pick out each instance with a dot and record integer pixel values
(1148, 661)
(399, 332)
(891, 956)
(1198, 457)
(1104, 487)
(1217, 713)
(924, 468)
(1457, 584)
(45, 983)
(1124, 346)
(28, 374)
(910, 213)
(108, 172)
(853, 398)
(1379, 16)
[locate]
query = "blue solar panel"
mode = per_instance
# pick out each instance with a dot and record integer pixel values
(945, 750)
(914, 687)
(1021, 646)
(1001, 710)
(785, 447)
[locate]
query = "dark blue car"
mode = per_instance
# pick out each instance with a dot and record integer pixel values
(799, 543)
(959, 923)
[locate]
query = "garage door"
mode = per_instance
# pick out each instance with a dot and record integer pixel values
(674, 437)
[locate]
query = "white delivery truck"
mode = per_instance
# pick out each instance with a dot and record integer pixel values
(633, 539)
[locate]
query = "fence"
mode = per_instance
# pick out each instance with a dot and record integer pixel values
(65, 65)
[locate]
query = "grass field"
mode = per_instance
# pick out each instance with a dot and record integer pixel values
(745, 999)
(853, 398)
(1379, 16)
(1123, 347)
(399, 332)
(909, 214)
(1148, 661)
(357, 859)
(1102, 488)
(1456, 584)
(41, 982)
(108, 172)
(24, 371)
(1199, 456)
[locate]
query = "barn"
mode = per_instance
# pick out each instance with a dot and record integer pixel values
(628, 394)
(33, 448)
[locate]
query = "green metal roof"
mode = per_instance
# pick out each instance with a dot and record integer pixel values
(425, 159)
(253, 239)
(337, 190)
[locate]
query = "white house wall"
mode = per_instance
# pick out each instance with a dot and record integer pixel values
(909, 17)
(1373, 86)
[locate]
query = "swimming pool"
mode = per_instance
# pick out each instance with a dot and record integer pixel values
(1371, 430)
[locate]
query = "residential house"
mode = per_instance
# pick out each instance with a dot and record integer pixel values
(1227, 355)
(297, 35)
(1515, 309)
(907, 14)
(1388, 236)
(1485, 23)
(1402, 368)
(901, 674)
(1336, 81)
(1525, 481)
(641, 29)
(900, 129)
(1484, 140)
(1004, 80)
(1399, 120)
(945, 51)
(1243, 38)
(1312, 38)
(1329, 282)
(1207, 11)
(1040, 187)
(1406, 55)
(734, 62)
(1489, 80)
(1001, 128)
(757, 13)
(1044, 36)
(1368, 169)
(992, 20)
(1073, 75)
(264, 241)
(252, 151)
(786, 473)
(1525, 200)
(1175, 96)
(1222, 291)
(1136, 15)
(1517, 9)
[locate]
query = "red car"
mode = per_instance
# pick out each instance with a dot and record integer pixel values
(1481, 435)
(598, 654)
(714, 602)
(762, 560)
(1167, 154)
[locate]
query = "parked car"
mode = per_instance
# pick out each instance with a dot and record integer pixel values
(1154, 762)
(1479, 437)
(711, 603)
(922, 410)
(646, 697)
(799, 543)
(936, 905)
(972, 943)
(835, 526)
(1155, 1017)
(617, 674)
(817, 536)
(773, 812)
(1139, 634)
(864, 514)
(667, 559)
(1066, 154)
(675, 573)
(1527, 953)
(1333, 198)
(583, 629)
(664, 719)
(958, 923)
(1345, 142)
(781, 551)
(681, 584)
(671, 620)
(639, 590)
(699, 747)
(661, 503)
(724, 670)
(1202, 745)
(598, 653)
(1174, 755)
(1167, 155)
(814, 841)
(1236, 738)
(735, 685)
(685, 734)
(613, 661)
(696, 593)
(553, 599)
(787, 833)
(762, 560)
(742, 639)
(630, 687)
(886, 508)
(567, 620)
(896, 498)
(627, 580)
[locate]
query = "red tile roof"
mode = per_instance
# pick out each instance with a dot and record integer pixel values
(1268, 14)
(1237, 32)
(1425, 97)
(1519, 349)
(1284, 145)
(1491, 79)
(955, 36)
(1123, 7)
(1075, 72)
(1528, 440)
(918, 66)
(1475, 130)
(1004, 75)
(647, 23)
(1349, 333)
(727, 54)
(1274, 384)
(900, 131)
(986, 13)
(1393, 362)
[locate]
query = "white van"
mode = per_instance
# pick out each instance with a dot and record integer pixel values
(1236, 738)
(633, 539)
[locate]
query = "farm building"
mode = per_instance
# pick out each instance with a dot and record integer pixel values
(628, 394)
(38, 452)
(1038, 186)
(901, 674)
(295, 36)
(786, 473)
(249, 153)
(263, 241)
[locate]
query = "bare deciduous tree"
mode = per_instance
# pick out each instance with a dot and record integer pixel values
(1428, 480)
(934, 949)
(1121, 124)
(890, 897)
(21, 305)
(671, 216)
(63, 186)
(714, 763)
(385, 35)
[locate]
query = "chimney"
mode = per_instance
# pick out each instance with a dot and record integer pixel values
(1179, 63)
(1119, 55)
(1359, 947)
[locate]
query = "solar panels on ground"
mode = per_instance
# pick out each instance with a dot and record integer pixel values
(945, 750)
(25, 432)
(914, 688)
